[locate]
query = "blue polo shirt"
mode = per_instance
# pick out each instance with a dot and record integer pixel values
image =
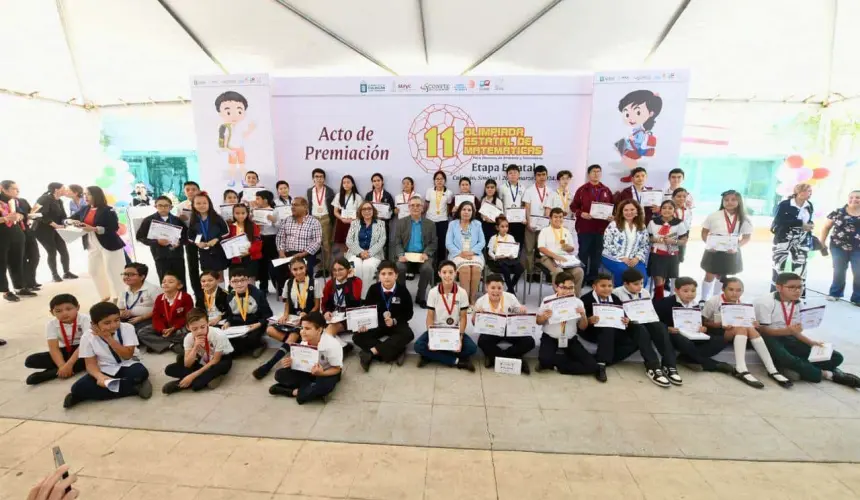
(415, 245)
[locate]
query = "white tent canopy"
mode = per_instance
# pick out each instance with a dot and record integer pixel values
(108, 52)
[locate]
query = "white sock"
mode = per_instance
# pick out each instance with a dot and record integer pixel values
(740, 344)
(761, 349)
(707, 288)
(827, 374)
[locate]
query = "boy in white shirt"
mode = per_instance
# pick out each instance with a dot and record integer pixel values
(324, 375)
(135, 305)
(537, 200)
(109, 350)
(555, 243)
(447, 306)
(562, 197)
(498, 301)
(64, 334)
(573, 358)
(207, 357)
(778, 315)
(512, 193)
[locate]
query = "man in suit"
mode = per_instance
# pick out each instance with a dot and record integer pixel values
(416, 235)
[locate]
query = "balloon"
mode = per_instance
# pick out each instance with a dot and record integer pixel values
(820, 173)
(794, 161)
(122, 230)
(111, 199)
(804, 174)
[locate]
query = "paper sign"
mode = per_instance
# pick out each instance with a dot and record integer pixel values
(509, 366)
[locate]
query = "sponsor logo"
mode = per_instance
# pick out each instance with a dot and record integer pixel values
(460, 87)
(484, 85)
(471, 84)
(367, 88)
(403, 87)
(436, 87)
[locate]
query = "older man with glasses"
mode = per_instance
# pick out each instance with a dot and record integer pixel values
(415, 245)
(299, 236)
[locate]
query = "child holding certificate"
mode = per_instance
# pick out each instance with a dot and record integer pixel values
(465, 185)
(341, 292)
(510, 266)
(654, 330)
(733, 288)
(497, 301)
(215, 300)
(729, 220)
(667, 237)
(779, 317)
(168, 317)
(168, 255)
(556, 245)
(243, 225)
(447, 306)
(324, 374)
(614, 343)
(64, 334)
(206, 229)
(680, 196)
(394, 310)
(491, 197)
(436, 207)
(247, 306)
(573, 358)
(138, 300)
(207, 357)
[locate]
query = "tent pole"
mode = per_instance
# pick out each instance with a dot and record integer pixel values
(62, 14)
(668, 28)
(423, 31)
(193, 36)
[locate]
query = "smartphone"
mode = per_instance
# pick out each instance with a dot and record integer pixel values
(58, 462)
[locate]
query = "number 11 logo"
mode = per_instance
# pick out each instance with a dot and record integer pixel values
(431, 138)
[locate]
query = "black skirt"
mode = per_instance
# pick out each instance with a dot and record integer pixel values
(663, 266)
(722, 263)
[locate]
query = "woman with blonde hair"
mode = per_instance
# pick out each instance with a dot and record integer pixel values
(792, 234)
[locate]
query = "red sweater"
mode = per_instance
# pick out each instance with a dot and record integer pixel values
(627, 194)
(162, 311)
(582, 199)
(352, 294)
(256, 250)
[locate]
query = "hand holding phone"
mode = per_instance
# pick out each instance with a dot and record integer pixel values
(58, 485)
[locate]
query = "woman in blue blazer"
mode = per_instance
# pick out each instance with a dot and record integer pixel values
(105, 255)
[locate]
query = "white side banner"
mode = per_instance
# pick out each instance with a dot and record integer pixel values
(233, 122)
(637, 118)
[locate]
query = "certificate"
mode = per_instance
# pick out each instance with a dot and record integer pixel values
(70, 233)
(402, 210)
(490, 324)
(563, 309)
(651, 198)
(689, 322)
(444, 338)
(235, 246)
(737, 314)
(641, 311)
(490, 211)
(539, 222)
(601, 210)
(610, 316)
(283, 211)
(568, 261)
(281, 262)
(383, 210)
(507, 250)
(226, 211)
(570, 225)
(820, 353)
(722, 242)
(235, 331)
(261, 216)
(516, 215)
(337, 317)
(509, 366)
(348, 214)
(812, 317)
(462, 198)
(358, 317)
(413, 257)
(164, 231)
(521, 325)
(304, 357)
(250, 193)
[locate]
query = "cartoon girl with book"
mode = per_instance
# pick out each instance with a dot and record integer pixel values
(233, 132)
(639, 110)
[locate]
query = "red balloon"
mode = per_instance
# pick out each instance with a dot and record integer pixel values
(820, 173)
(794, 161)
(122, 230)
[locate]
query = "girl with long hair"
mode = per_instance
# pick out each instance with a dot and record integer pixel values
(206, 229)
(345, 206)
(735, 229)
(242, 225)
(626, 242)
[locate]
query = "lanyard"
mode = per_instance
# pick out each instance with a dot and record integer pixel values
(449, 309)
(406, 196)
(388, 300)
(242, 307)
(563, 194)
(730, 224)
(301, 298)
(204, 228)
(210, 300)
(513, 193)
(501, 308)
(636, 194)
(595, 192)
(376, 198)
(207, 357)
(130, 307)
(67, 340)
(541, 196)
(787, 315)
(559, 235)
(113, 353)
(339, 293)
(503, 239)
(320, 196)
(170, 308)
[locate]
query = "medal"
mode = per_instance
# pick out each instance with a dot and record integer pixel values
(449, 309)
(439, 195)
(386, 314)
(450, 321)
(68, 340)
(730, 224)
(319, 196)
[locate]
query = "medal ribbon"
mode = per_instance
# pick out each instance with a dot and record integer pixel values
(730, 224)
(388, 300)
(376, 198)
(514, 193)
(541, 196)
(243, 307)
(169, 309)
(66, 339)
(787, 315)
(562, 193)
(209, 300)
(501, 309)
(439, 195)
(301, 298)
(450, 310)
(320, 196)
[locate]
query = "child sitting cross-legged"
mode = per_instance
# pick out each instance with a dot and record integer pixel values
(323, 376)
(497, 301)
(168, 317)
(64, 334)
(573, 358)
(206, 360)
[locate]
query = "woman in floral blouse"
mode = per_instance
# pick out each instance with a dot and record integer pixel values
(845, 246)
(626, 241)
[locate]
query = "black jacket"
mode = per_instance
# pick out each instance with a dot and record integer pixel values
(310, 298)
(664, 307)
(785, 218)
(106, 218)
(588, 301)
(211, 259)
(386, 198)
(259, 310)
(221, 301)
(159, 252)
(401, 304)
(52, 210)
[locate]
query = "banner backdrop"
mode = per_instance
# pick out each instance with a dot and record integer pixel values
(467, 127)
(637, 119)
(233, 124)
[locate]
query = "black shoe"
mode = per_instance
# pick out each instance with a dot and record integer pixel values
(748, 379)
(261, 371)
(57, 279)
(657, 377)
(401, 359)
(525, 369)
(42, 376)
(422, 361)
(422, 304)
(178, 349)
(347, 350)
(11, 297)
(364, 359)
(466, 364)
(724, 368)
(846, 379)
(781, 379)
(70, 401)
(410, 276)
(280, 390)
(2, 342)
(600, 375)
(489, 362)
(69, 276)
(35, 286)
(673, 376)
(26, 292)
(144, 390)
(171, 387)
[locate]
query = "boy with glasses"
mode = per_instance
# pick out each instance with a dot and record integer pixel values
(138, 300)
(247, 307)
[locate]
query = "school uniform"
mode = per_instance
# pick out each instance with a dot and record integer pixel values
(511, 269)
(590, 231)
(340, 296)
(654, 332)
(457, 301)
(512, 197)
(573, 359)
(310, 386)
(68, 335)
(167, 258)
(268, 235)
(255, 251)
(724, 263)
(664, 260)
(563, 199)
(699, 351)
(166, 313)
(489, 228)
(216, 341)
(301, 299)
(215, 305)
(489, 344)
(537, 199)
(322, 209)
(192, 252)
(397, 302)
(614, 344)
(787, 351)
(247, 309)
(350, 202)
(130, 372)
(437, 213)
(139, 303)
(631, 193)
(685, 214)
(214, 228)
(553, 239)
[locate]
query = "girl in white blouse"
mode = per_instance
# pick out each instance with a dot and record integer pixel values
(436, 208)
(345, 206)
(510, 268)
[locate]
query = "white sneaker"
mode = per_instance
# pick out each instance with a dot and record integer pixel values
(673, 375)
(657, 377)
(832, 298)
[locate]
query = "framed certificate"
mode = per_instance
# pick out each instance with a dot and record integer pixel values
(689, 322)
(521, 325)
(650, 198)
(601, 210)
(610, 316)
(507, 250)
(261, 216)
(563, 309)
(383, 210)
(516, 215)
(539, 222)
(490, 211)
(490, 324)
(444, 338)
(304, 357)
(641, 311)
(358, 317)
(737, 314)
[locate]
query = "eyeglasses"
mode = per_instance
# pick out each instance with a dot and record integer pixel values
(793, 287)
(238, 280)
(128, 275)
(564, 287)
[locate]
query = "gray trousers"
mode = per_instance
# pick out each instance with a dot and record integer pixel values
(156, 341)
